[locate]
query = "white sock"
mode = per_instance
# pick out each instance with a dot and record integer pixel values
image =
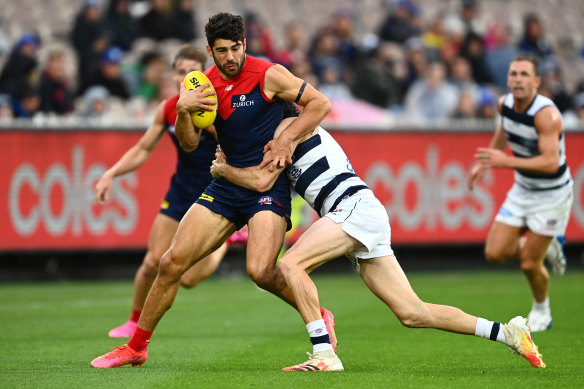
(318, 336)
(543, 306)
(490, 330)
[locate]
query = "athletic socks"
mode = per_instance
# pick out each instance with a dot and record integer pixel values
(544, 306)
(135, 315)
(490, 330)
(140, 339)
(319, 336)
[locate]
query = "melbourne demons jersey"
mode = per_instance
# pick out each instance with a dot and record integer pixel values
(321, 172)
(192, 169)
(246, 118)
(522, 138)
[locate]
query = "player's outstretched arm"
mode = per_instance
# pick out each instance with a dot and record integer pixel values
(134, 157)
(280, 83)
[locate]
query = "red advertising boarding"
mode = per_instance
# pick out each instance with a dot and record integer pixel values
(47, 199)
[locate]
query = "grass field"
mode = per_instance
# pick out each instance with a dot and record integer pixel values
(229, 334)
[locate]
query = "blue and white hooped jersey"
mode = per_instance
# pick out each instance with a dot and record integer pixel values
(321, 172)
(523, 138)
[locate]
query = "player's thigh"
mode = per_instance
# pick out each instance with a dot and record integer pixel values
(200, 232)
(535, 247)
(161, 234)
(386, 279)
(322, 241)
(266, 231)
(502, 239)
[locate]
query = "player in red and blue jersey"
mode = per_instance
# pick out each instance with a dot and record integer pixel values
(187, 183)
(249, 94)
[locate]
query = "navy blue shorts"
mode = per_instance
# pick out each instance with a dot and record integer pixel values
(179, 198)
(238, 204)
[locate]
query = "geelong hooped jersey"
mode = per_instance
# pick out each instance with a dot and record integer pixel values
(246, 117)
(321, 172)
(523, 138)
(193, 167)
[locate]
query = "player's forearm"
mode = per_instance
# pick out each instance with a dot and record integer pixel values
(539, 164)
(130, 161)
(499, 141)
(252, 178)
(186, 132)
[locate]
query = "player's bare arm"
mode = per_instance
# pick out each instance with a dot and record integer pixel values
(252, 178)
(191, 101)
(548, 123)
(134, 157)
(280, 83)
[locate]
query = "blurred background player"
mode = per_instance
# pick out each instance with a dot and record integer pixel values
(187, 183)
(532, 221)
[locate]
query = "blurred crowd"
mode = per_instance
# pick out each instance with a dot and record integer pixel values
(115, 64)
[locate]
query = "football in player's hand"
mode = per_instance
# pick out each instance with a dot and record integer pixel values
(201, 118)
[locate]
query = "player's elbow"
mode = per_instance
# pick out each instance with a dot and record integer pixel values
(189, 146)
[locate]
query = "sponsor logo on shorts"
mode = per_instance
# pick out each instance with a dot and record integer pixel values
(165, 204)
(551, 222)
(206, 197)
(241, 101)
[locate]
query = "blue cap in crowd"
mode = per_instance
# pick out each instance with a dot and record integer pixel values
(28, 39)
(112, 54)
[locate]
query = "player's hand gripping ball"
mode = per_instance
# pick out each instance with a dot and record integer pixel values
(201, 118)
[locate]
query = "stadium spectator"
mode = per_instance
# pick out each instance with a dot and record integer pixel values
(109, 74)
(473, 49)
(89, 39)
(95, 105)
(120, 25)
(402, 22)
(6, 111)
(294, 45)
(469, 16)
(184, 21)
(324, 48)
(432, 97)
(552, 85)
(157, 23)
(380, 77)
(332, 85)
(260, 36)
(153, 70)
(416, 61)
(56, 94)
(466, 108)
(487, 104)
(499, 52)
(21, 69)
(28, 103)
(534, 40)
(344, 29)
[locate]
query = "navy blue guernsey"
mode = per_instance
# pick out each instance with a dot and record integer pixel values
(192, 169)
(246, 118)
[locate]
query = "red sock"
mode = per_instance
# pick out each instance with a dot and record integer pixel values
(135, 315)
(140, 339)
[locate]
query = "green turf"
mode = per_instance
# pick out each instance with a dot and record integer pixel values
(229, 334)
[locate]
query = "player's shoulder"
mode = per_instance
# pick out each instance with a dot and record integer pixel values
(254, 64)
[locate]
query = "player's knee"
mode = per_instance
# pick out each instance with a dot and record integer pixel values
(150, 264)
(528, 265)
(414, 316)
(494, 255)
(171, 265)
(263, 277)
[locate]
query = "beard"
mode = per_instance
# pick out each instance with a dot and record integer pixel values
(230, 72)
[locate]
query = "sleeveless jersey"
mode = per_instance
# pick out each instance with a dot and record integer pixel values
(192, 169)
(321, 173)
(522, 138)
(246, 118)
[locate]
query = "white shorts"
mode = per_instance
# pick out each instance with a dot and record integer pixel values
(544, 212)
(365, 219)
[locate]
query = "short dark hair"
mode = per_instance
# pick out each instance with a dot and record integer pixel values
(290, 109)
(529, 58)
(190, 52)
(224, 26)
